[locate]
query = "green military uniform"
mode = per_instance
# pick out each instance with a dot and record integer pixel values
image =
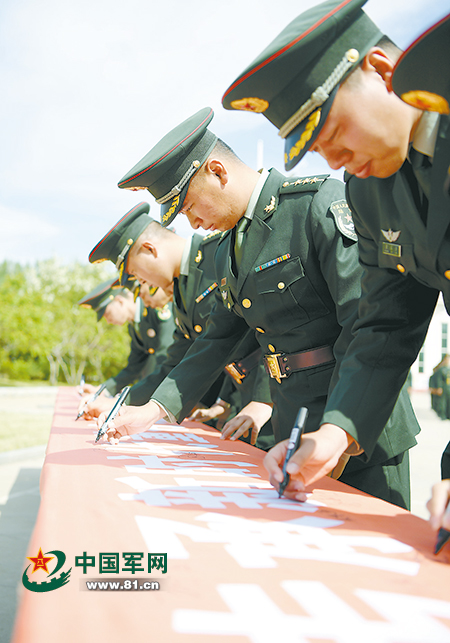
(150, 332)
(297, 287)
(193, 301)
(151, 335)
(445, 463)
(435, 399)
(402, 221)
(441, 380)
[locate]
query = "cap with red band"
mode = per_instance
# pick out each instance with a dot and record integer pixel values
(293, 82)
(168, 168)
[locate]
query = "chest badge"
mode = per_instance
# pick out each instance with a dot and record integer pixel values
(392, 249)
(390, 235)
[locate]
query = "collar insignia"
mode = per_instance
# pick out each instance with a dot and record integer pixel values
(271, 206)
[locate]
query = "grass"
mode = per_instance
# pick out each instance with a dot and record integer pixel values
(19, 431)
(26, 417)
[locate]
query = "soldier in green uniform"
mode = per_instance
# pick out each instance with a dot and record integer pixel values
(294, 278)
(326, 84)
(160, 257)
(150, 329)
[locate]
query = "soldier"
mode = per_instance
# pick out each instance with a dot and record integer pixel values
(292, 276)
(150, 329)
(325, 82)
(155, 255)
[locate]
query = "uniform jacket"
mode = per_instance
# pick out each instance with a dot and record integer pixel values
(191, 323)
(150, 338)
(404, 247)
(298, 287)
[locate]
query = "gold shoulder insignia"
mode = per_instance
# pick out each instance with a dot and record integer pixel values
(212, 235)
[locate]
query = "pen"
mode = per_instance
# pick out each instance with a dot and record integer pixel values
(112, 414)
(82, 382)
(293, 444)
(442, 538)
(91, 399)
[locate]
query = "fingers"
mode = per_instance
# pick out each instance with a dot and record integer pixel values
(438, 505)
(239, 425)
(273, 462)
(254, 435)
(196, 415)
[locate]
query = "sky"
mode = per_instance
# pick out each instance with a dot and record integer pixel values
(88, 87)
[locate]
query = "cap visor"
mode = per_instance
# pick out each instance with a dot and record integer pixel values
(299, 141)
(170, 209)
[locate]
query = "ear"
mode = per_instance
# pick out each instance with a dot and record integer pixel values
(149, 247)
(218, 169)
(379, 61)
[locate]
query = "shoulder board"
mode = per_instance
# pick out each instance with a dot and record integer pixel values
(343, 218)
(303, 184)
(209, 237)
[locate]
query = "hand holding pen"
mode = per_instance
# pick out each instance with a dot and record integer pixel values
(90, 400)
(293, 444)
(439, 508)
(112, 414)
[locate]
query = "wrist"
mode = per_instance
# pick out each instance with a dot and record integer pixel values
(220, 402)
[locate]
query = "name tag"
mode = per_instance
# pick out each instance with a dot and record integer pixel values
(392, 249)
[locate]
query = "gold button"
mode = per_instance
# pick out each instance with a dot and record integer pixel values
(151, 351)
(198, 328)
(447, 274)
(260, 330)
(285, 184)
(246, 303)
(187, 336)
(272, 348)
(281, 285)
(151, 332)
(400, 268)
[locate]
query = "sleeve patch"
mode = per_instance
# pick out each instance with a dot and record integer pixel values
(343, 218)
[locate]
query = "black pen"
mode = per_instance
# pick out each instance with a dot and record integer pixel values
(293, 444)
(442, 537)
(91, 399)
(112, 414)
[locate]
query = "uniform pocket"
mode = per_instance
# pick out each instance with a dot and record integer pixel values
(287, 295)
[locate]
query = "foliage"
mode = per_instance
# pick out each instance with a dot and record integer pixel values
(45, 335)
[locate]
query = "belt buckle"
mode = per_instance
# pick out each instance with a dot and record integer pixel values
(235, 374)
(274, 366)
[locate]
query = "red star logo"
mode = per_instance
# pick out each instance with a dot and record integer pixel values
(40, 562)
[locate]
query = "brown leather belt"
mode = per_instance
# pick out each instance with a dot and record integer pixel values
(239, 370)
(281, 365)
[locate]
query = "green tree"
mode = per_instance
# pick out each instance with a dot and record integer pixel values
(45, 335)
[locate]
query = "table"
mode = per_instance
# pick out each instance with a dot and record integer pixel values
(241, 565)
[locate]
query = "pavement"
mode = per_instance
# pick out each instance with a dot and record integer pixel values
(20, 472)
